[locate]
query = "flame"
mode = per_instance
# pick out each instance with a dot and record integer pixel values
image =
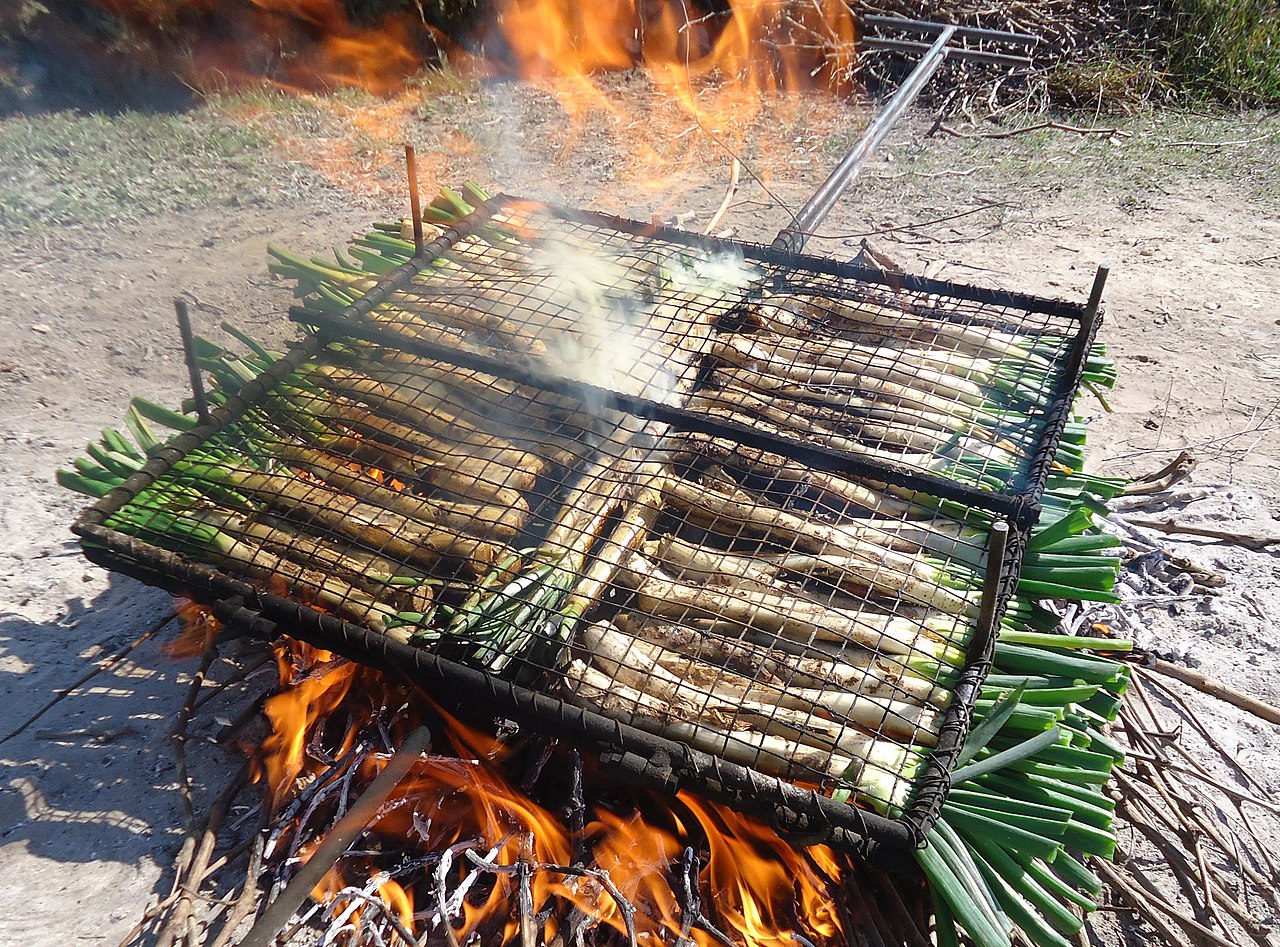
(750, 865)
(294, 45)
(341, 53)
(398, 901)
(763, 888)
(757, 46)
(197, 627)
(718, 82)
(721, 71)
(316, 45)
(314, 685)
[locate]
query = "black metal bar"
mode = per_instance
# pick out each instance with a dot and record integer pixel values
(802, 226)
(668, 766)
(999, 539)
(959, 52)
(787, 260)
(680, 419)
(193, 363)
(415, 200)
(1058, 411)
(1095, 294)
(1089, 319)
(962, 32)
(1004, 555)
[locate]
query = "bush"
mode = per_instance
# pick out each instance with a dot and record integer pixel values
(1225, 50)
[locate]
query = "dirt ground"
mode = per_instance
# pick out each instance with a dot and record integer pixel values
(106, 220)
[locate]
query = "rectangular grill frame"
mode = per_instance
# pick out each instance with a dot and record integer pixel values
(645, 757)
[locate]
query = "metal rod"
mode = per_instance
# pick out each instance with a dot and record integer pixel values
(960, 52)
(991, 578)
(794, 236)
(1095, 294)
(415, 201)
(338, 840)
(962, 32)
(1088, 319)
(193, 363)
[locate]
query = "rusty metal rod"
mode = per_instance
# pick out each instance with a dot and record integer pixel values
(793, 237)
(961, 32)
(991, 578)
(415, 201)
(192, 360)
(338, 840)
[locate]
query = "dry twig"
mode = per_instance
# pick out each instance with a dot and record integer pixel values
(187, 883)
(730, 193)
(1259, 543)
(1175, 809)
(90, 675)
(1176, 470)
(1038, 126)
(337, 841)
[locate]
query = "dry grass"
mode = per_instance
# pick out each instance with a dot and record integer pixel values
(66, 168)
(260, 147)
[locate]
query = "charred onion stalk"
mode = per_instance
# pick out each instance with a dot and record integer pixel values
(526, 622)
(791, 744)
(274, 495)
(910, 389)
(635, 658)
(355, 584)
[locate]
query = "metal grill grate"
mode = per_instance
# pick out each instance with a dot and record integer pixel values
(961, 390)
(555, 450)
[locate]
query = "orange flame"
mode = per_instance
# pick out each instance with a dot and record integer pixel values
(197, 629)
(762, 887)
(707, 86)
(758, 46)
(297, 45)
(314, 685)
(719, 70)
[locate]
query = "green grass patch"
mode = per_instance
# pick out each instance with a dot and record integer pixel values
(1224, 50)
(1190, 51)
(66, 168)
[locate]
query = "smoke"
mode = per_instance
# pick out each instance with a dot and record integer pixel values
(609, 343)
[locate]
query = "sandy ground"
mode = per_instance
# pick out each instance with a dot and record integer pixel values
(90, 812)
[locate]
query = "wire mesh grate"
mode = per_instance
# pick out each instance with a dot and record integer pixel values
(768, 602)
(765, 613)
(758, 617)
(961, 387)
